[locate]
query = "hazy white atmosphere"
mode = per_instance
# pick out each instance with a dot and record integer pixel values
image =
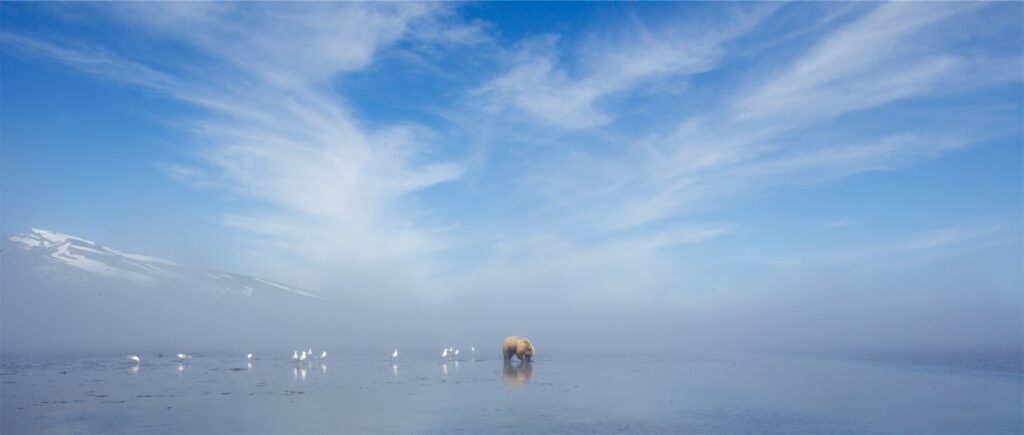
(665, 179)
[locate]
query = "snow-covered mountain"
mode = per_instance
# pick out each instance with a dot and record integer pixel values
(65, 256)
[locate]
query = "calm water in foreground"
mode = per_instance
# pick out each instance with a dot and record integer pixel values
(725, 393)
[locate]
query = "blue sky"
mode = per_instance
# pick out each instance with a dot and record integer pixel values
(700, 158)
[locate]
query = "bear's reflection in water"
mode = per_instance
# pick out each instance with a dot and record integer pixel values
(517, 374)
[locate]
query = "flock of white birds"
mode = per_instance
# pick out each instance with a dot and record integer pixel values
(307, 355)
(450, 352)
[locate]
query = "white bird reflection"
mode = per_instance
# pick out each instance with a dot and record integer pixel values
(394, 369)
(444, 368)
(299, 373)
(134, 369)
(248, 366)
(323, 368)
(181, 367)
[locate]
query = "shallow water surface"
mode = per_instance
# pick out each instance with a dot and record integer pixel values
(729, 393)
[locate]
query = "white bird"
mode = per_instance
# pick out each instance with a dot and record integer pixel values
(134, 358)
(302, 356)
(295, 355)
(444, 353)
(456, 353)
(309, 351)
(472, 349)
(323, 355)
(394, 354)
(248, 356)
(183, 357)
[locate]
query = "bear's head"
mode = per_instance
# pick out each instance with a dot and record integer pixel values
(528, 353)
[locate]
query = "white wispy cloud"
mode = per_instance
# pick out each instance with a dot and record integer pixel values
(749, 140)
(879, 58)
(274, 131)
(601, 212)
(539, 84)
(91, 59)
(644, 189)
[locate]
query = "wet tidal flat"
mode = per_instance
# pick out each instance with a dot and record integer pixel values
(558, 393)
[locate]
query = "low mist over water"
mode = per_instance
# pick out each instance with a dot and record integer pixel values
(93, 308)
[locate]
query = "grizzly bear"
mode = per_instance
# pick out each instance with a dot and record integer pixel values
(518, 346)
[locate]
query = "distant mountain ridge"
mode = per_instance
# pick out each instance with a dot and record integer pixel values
(66, 255)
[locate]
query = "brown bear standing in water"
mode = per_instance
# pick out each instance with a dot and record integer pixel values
(518, 346)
